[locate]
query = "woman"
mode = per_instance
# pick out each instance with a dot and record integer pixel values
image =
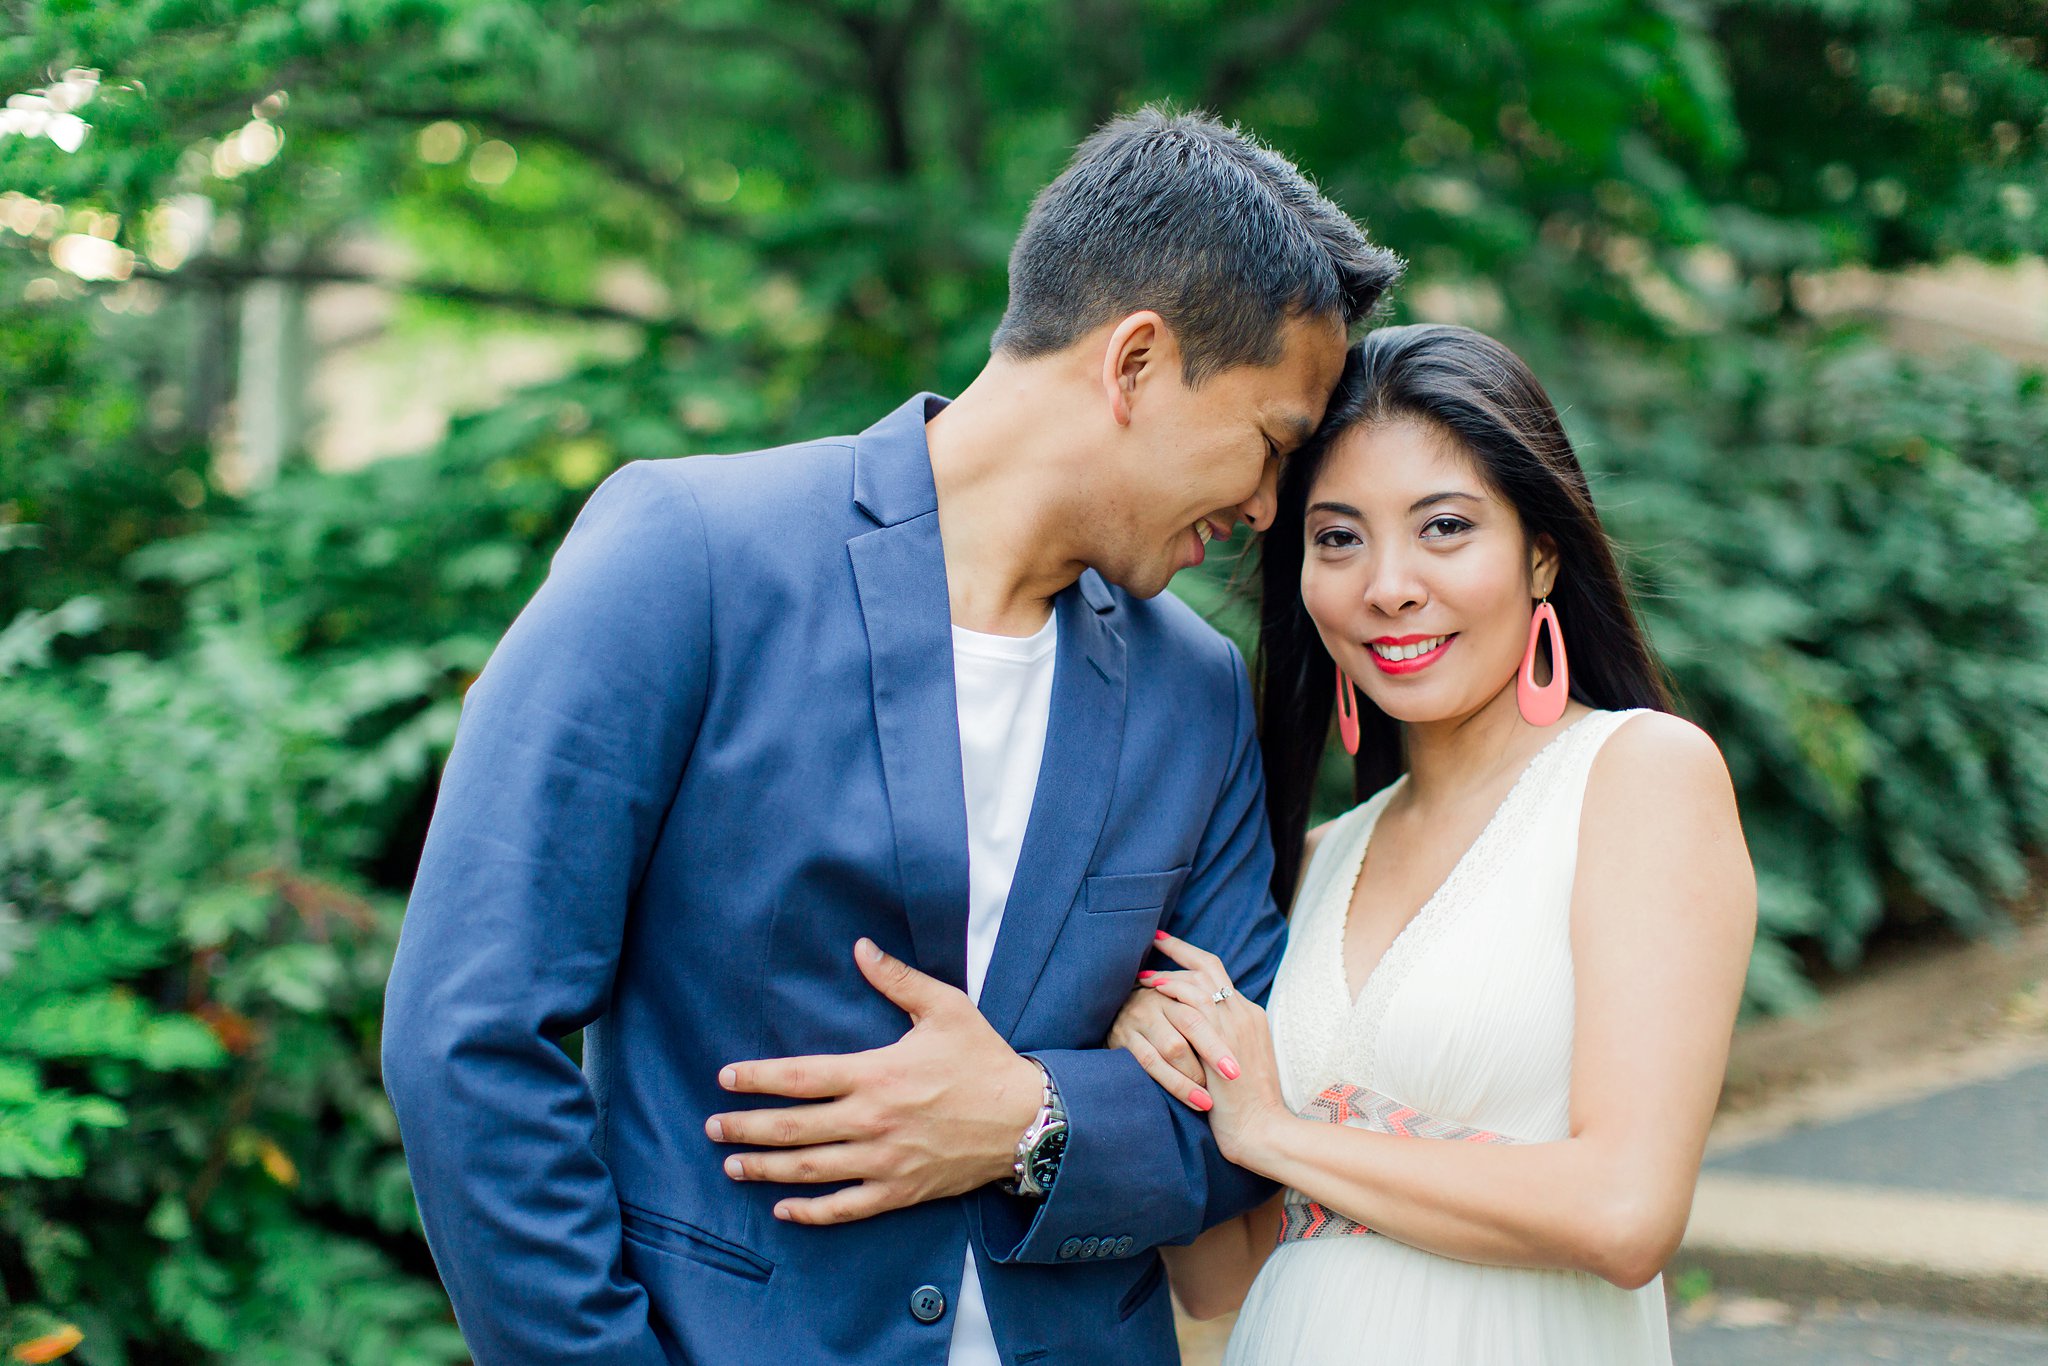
(1499, 1030)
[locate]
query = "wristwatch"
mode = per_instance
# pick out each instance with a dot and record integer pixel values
(1043, 1145)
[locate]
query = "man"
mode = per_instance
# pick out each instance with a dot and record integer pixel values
(795, 743)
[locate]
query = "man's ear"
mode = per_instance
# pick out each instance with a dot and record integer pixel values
(1140, 349)
(1543, 564)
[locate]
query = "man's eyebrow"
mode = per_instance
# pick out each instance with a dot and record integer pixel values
(1302, 428)
(1448, 496)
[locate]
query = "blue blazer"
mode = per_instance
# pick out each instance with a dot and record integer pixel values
(718, 746)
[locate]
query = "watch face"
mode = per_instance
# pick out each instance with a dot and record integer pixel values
(1045, 1160)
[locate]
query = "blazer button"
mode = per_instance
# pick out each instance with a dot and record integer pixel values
(1124, 1245)
(1069, 1248)
(927, 1303)
(1088, 1246)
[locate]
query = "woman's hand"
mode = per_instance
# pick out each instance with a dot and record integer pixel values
(1142, 1029)
(1230, 1037)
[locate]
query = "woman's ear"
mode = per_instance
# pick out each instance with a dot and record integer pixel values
(1543, 564)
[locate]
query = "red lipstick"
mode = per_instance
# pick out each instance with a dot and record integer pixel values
(1408, 666)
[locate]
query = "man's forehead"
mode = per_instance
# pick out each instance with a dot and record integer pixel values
(1317, 347)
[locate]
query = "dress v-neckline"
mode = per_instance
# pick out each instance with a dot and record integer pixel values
(1349, 884)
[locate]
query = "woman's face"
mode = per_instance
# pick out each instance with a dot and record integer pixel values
(1418, 575)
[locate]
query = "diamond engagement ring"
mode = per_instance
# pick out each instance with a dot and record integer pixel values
(1220, 997)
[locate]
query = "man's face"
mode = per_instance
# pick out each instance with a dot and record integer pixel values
(1200, 460)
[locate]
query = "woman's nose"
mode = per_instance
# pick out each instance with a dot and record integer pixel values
(1391, 586)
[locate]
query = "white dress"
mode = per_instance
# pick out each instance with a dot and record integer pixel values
(1467, 1018)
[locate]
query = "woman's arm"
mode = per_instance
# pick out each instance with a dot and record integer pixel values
(1663, 913)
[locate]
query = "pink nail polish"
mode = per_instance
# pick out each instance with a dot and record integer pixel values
(1200, 1099)
(1228, 1067)
(1146, 975)
(1159, 934)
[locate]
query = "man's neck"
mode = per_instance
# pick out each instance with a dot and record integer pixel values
(1011, 493)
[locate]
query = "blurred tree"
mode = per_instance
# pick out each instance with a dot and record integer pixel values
(222, 708)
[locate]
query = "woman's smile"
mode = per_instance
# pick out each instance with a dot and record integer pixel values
(1408, 654)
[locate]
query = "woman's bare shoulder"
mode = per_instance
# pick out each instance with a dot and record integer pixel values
(1655, 753)
(1659, 801)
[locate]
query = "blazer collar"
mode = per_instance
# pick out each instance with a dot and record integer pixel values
(892, 478)
(892, 465)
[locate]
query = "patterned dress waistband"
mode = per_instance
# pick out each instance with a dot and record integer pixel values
(1361, 1107)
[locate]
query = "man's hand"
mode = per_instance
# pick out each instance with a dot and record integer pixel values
(936, 1113)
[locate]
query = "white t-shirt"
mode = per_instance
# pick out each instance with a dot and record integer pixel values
(1004, 685)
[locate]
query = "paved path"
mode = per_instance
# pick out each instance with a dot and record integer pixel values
(1987, 1139)
(1772, 1336)
(1934, 1201)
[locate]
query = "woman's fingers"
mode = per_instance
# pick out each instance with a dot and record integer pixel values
(1198, 961)
(1143, 1018)
(1189, 1093)
(1170, 1044)
(1149, 978)
(1208, 1041)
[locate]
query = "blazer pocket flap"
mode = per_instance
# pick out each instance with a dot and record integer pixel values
(1133, 891)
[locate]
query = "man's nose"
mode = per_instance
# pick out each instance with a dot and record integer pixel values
(1259, 509)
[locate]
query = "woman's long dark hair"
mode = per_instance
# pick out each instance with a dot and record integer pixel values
(1470, 386)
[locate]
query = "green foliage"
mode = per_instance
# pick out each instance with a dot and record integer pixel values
(1844, 555)
(222, 710)
(196, 1161)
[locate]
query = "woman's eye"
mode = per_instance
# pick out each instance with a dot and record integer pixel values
(1336, 538)
(1439, 527)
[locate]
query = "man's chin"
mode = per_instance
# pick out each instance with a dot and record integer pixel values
(1148, 583)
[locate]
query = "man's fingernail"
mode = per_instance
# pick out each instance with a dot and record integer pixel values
(1228, 1067)
(734, 1169)
(1200, 1099)
(782, 1212)
(728, 1077)
(716, 1129)
(865, 950)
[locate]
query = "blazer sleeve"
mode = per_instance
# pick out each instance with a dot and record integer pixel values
(570, 748)
(1139, 1165)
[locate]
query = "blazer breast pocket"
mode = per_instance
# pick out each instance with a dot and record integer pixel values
(1107, 892)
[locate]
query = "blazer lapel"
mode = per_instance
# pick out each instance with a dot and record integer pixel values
(1083, 747)
(899, 572)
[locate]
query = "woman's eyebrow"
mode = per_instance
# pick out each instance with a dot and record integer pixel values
(1449, 495)
(1341, 509)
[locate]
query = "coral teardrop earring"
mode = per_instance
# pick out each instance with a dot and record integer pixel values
(1347, 712)
(1542, 706)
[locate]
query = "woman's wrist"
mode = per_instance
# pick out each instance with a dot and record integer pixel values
(1261, 1140)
